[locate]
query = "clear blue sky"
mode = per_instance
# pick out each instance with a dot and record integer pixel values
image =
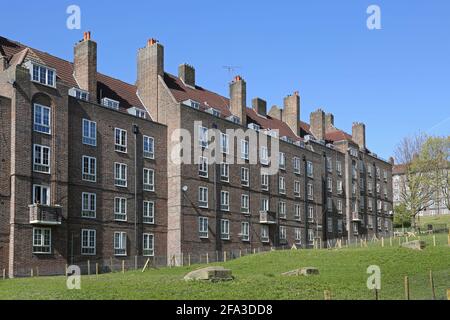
(396, 80)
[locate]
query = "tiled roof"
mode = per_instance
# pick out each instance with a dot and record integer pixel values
(338, 135)
(399, 169)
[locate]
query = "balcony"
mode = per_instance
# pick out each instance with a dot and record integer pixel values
(45, 215)
(266, 217)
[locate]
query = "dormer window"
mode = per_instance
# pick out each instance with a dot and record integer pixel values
(137, 112)
(42, 74)
(79, 94)
(192, 104)
(110, 103)
(254, 126)
(234, 119)
(214, 112)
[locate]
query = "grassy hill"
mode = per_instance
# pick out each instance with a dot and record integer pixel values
(259, 277)
(442, 219)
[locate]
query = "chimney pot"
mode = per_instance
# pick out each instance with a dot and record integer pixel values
(85, 65)
(291, 112)
(151, 42)
(260, 106)
(186, 73)
(238, 99)
(317, 123)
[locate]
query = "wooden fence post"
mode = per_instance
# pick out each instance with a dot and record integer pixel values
(207, 258)
(135, 262)
(448, 294)
(434, 240)
(89, 267)
(123, 266)
(376, 294)
(224, 256)
(65, 271)
(382, 242)
(32, 272)
(407, 293)
(112, 266)
(189, 260)
(327, 295)
(96, 269)
(433, 291)
(4, 274)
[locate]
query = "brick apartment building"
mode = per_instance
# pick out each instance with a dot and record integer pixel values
(86, 169)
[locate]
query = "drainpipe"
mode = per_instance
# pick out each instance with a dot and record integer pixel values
(136, 132)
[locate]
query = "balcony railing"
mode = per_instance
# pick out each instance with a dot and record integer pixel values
(266, 217)
(45, 215)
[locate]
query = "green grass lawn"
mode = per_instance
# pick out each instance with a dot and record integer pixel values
(443, 219)
(259, 277)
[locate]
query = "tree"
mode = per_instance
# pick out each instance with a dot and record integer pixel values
(415, 191)
(402, 217)
(435, 159)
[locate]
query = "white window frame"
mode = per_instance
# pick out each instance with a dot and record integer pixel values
(245, 231)
(120, 209)
(283, 233)
(45, 75)
(91, 127)
(264, 155)
(41, 126)
(149, 180)
(42, 246)
(110, 103)
(245, 203)
(310, 191)
(224, 143)
(89, 207)
(148, 245)
(203, 197)
(265, 235)
(225, 172)
(265, 204)
(88, 242)
(298, 212)
(311, 214)
(298, 235)
(120, 175)
(282, 185)
(203, 227)
(282, 159)
(340, 207)
(120, 244)
(203, 138)
(148, 212)
(265, 184)
(310, 169)
(120, 140)
(245, 177)
(224, 201)
(89, 173)
(245, 153)
(282, 210)
(203, 167)
(297, 189)
(148, 147)
(297, 165)
(44, 192)
(225, 229)
(41, 164)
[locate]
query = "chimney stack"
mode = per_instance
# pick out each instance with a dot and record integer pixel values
(359, 134)
(276, 113)
(238, 98)
(260, 106)
(317, 123)
(187, 74)
(150, 66)
(291, 113)
(85, 65)
(329, 122)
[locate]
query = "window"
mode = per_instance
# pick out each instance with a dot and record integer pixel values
(354, 189)
(110, 103)
(203, 227)
(379, 205)
(385, 208)
(282, 185)
(88, 242)
(89, 133)
(310, 169)
(385, 192)
(297, 165)
(225, 172)
(264, 204)
(149, 180)
(42, 119)
(329, 164)
(378, 188)
(378, 173)
(148, 245)
(282, 161)
(370, 204)
(264, 156)
(330, 184)
(282, 209)
(149, 212)
(245, 200)
(355, 229)
(41, 159)
(264, 182)
(340, 190)
(89, 169)
(121, 140)
(224, 143)
(245, 231)
(120, 209)
(225, 229)
(362, 184)
(245, 181)
(203, 167)
(283, 233)
(244, 150)
(138, 112)
(310, 191)
(42, 239)
(298, 235)
(310, 235)
(149, 147)
(385, 175)
(224, 201)
(203, 137)
(41, 195)
(265, 234)
(330, 204)
(120, 243)
(330, 225)
(79, 94)
(89, 205)
(340, 226)
(339, 207)
(43, 75)
(369, 171)
(311, 214)
(339, 167)
(297, 187)
(298, 212)
(370, 222)
(120, 174)
(203, 197)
